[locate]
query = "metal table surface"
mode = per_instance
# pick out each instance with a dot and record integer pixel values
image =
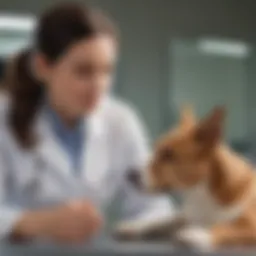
(112, 248)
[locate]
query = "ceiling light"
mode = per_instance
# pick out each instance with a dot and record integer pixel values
(17, 22)
(228, 48)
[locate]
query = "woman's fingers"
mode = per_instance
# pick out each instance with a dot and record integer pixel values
(85, 219)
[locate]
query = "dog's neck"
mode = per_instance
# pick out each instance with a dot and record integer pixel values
(229, 176)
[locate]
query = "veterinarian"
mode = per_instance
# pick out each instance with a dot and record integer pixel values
(66, 144)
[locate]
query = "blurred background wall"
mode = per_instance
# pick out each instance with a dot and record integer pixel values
(161, 65)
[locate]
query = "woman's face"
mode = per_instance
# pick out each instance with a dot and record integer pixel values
(77, 81)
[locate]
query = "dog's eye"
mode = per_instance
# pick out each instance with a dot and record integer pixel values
(167, 155)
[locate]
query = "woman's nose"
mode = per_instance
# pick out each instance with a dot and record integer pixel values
(134, 177)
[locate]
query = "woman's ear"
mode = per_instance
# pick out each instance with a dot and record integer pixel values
(209, 130)
(39, 67)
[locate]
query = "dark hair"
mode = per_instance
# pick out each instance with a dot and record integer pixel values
(58, 29)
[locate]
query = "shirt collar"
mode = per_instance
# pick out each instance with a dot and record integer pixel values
(59, 127)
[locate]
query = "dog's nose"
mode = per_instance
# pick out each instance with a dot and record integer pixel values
(134, 177)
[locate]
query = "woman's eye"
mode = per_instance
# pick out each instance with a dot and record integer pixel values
(167, 155)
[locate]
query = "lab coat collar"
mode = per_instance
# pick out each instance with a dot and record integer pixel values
(95, 126)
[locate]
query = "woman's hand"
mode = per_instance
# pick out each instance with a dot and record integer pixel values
(74, 222)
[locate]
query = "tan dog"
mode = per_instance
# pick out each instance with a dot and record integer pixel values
(217, 186)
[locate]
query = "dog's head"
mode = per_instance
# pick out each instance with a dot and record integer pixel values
(182, 156)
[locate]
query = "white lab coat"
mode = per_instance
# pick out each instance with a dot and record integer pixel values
(43, 176)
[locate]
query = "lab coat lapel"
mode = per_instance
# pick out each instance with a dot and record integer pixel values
(96, 158)
(50, 149)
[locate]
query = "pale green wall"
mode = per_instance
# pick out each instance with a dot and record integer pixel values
(147, 28)
(251, 96)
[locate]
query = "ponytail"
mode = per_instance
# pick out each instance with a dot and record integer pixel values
(26, 95)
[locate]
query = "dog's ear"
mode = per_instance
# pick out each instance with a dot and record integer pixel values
(209, 130)
(187, 116)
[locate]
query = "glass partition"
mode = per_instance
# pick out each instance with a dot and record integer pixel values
(211, 71)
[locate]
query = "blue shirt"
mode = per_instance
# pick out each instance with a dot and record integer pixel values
(71, 139)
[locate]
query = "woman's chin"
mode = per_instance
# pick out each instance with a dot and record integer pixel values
(88, 109)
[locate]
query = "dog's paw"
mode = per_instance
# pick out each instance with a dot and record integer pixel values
(128, 230)
(195, 238)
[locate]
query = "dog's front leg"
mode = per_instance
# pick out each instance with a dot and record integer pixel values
(159, 229)
(223, 235)
(194, 237)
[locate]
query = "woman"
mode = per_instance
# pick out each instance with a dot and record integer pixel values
(66, 144)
